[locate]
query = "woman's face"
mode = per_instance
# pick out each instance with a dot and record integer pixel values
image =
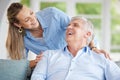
(27, 18)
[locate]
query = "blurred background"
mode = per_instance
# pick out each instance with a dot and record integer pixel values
(105, 15)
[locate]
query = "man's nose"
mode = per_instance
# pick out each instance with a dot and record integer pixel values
(70, 26)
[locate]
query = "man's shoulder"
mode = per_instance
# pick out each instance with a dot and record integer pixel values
(98, 56)
(56, 50)
(53, 52)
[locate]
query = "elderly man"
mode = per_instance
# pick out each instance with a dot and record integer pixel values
(76, 61)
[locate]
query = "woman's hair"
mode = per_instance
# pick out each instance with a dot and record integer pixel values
(14, 42)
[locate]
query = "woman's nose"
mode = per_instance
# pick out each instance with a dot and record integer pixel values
(31, 19)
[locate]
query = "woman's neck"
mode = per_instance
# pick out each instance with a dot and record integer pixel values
(37, 32)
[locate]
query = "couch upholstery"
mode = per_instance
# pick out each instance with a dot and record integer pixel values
(13, 69)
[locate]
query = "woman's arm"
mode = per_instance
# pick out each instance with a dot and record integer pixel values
(34, 62)
(99, 51)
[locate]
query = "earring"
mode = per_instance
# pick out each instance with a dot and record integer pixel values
(20, 30)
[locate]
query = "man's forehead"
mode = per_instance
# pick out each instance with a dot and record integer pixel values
(79, 21)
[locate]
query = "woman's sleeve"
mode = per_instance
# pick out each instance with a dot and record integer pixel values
(63, 17)
(26, 52)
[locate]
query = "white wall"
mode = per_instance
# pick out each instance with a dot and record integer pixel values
(4, 26)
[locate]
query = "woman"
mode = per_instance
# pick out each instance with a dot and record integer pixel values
(35, 32)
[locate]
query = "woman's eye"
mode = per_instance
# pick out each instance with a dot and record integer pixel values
(26, 20)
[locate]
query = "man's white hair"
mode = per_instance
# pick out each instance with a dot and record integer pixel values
(87, 26)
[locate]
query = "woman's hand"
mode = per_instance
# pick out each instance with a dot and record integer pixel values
(38, 57)
(34, 62)
(101, 51)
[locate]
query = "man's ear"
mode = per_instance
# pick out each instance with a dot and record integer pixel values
(17, 25)
(88, 34)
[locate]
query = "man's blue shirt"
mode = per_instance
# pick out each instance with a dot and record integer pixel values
(86, 65)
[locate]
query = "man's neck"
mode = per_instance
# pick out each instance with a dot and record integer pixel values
(74, 48)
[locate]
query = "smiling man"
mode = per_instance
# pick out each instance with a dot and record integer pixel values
(76, 61)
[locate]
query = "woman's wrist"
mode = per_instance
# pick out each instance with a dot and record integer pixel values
(93, 48)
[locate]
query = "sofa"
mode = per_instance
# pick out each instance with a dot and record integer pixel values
(14, 69)
(17, 69)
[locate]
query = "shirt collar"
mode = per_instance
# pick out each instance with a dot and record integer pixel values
(81, 51)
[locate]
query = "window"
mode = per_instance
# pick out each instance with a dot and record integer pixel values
(115, 26)
(59, 5)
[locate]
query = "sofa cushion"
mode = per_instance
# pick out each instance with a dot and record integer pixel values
(13, 69)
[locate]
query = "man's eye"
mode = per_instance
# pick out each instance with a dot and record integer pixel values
(75, 24)
(31, 13)
(69, 24)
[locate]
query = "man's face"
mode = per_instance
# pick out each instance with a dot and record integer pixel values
(27, 18)
(76, 31)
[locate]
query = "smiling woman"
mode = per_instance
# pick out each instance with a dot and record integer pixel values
(34, 32)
